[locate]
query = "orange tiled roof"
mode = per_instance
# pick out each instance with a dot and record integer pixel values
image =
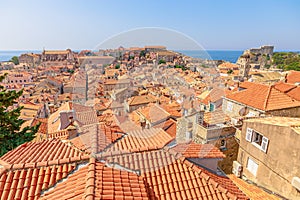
(263, 97)
(252, 191)
(215, 117)
(295, 93)
(182, 180)
(227, 183)
(169, 126)
(43, 124)
(96, 181)
(40, 151)
(139, 140)
(86, 117)
(153, 113)
(95, 138)
(139, 161)
(138, 100)
(194, 150)
(284, 87)
(171, 176)
(26, 181)
(290, 89)
(293, 77)
(228, 65)
(214, 95)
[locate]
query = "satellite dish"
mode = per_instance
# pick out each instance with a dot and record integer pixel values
(243, 111)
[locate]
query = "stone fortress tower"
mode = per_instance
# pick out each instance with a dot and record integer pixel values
(255, 58)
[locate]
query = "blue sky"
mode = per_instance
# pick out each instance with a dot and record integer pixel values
(232, 25)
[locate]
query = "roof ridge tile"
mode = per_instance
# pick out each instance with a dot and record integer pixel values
(90, 180)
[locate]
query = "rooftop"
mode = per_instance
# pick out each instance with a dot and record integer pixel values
(263, 97)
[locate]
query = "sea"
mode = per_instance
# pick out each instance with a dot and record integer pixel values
(227, 55)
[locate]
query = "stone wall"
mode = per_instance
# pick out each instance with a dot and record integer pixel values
(279, 164)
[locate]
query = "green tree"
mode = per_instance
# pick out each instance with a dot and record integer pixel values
(143, 53)
(10, 134)
(230, 71)
(161, 62)
(15, 60)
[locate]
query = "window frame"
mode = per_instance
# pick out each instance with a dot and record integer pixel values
(252, 166)
(264, 141)
(229, 106)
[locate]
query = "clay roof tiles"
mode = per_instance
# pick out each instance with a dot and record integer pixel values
(95, 138)
(97, 181)
(27, 182)
(169, 126)
(46, 150)
(139, 100)
(171, 176)
(194, 150)
(263, 97)
(252, 191)
(293, 77)
(139, 140)
(25, 172)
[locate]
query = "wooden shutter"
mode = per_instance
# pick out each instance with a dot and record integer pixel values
(249, 133)
(264, 144)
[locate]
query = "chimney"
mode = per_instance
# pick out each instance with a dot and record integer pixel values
(72, 131)
(66, 118)
(51, 108)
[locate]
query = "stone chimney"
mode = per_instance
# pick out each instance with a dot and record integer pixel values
(66, 118)
(72, 131)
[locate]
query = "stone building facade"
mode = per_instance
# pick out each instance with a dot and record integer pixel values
(269, 154)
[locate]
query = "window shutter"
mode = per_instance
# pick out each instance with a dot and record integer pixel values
(264, 144)
(249, 134)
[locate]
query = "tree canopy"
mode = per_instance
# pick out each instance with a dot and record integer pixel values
(286, 60)
(10, 134)
(161, 62)
(15, 60)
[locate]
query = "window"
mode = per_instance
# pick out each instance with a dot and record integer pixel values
(257, 139)
(211, 107)
(252, 166)
(229, 106)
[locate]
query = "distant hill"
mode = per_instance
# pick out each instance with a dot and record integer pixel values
(286, 60)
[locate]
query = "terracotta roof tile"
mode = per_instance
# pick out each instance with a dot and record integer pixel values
(194, 150)
(48, 150)
(252, 191)
(293, 77)
(140, 140)
(170, 175)
(180, 180)
(215, 117)
(96, 137)
(27, 182)
(295, 93)
(169, 126)
(44, 124)
(153, 113)
(226, 183)
(96, 181)
(138, 100)
(284, 87)
(264, 97)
